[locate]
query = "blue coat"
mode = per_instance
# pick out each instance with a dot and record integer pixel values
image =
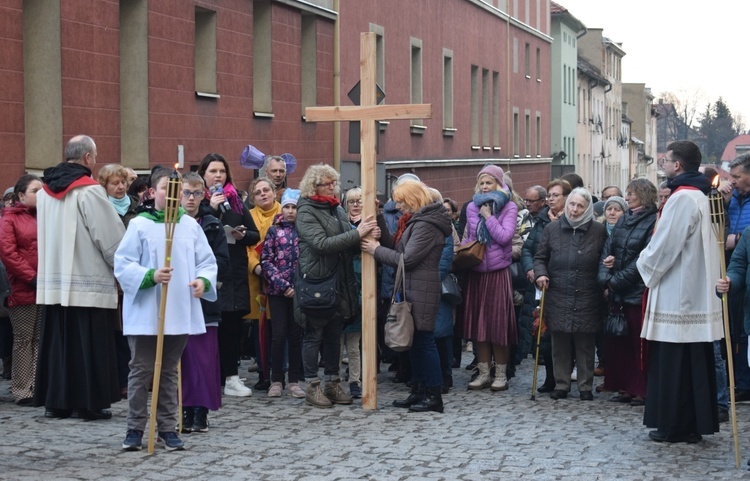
(739, 274)
(444, 322)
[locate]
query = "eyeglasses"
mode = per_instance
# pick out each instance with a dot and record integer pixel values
(192, 193)
(555, 196)
(531, 201)
(354, 202)
(328, 185)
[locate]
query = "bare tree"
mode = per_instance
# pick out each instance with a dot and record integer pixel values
(680, 119)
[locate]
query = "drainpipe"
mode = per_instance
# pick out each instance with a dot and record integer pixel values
(337, 85)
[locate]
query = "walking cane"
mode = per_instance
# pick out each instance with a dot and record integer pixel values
(717, 222)
(538, 342)
(170, 220)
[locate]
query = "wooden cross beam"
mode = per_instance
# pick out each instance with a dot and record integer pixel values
(368, 113)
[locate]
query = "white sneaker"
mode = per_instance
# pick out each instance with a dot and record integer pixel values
(574, 374)
(235, 387)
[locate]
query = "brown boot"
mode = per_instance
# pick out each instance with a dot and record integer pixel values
(336, 394)
(315, 397)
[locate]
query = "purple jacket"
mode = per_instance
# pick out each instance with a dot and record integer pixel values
(278, 259)
(502, 227)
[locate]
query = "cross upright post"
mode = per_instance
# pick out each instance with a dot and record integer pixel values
(368, 113)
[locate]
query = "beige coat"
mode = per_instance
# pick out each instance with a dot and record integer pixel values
(680, 267)
(78, 236)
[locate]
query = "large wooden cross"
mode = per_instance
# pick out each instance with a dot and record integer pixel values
(368, 113)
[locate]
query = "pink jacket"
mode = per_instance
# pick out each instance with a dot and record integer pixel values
(502, 227)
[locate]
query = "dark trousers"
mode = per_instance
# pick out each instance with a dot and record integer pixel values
(229, 332)
(284, 331)
(327, 333)
(425, 361)
(445, 352)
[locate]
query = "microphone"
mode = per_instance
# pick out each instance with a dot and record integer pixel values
(218, 189)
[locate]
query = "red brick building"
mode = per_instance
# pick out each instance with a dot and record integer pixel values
(144, 77)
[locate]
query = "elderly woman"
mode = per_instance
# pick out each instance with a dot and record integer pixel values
(327, 244)
(614, 208)
(619, 275)
(352, 335)
(18, 252)
(489, 313)
(567, 264)
(266, 208)
(223, 202)
(557, 193)
(420, 238)
(114, 179)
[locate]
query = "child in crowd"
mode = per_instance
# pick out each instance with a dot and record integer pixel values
(201, 371)
(278, 264)
(139, 262)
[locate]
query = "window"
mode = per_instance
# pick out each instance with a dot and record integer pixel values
(486, 108)
(415, 75)
(515, 55)
(496, 110)
(205, 51)
(42, 65)
(447, 89)
(527, 60)
(527, 134)
(538, 64)
(134, 139)
(538, 134)
(262, 79)
(309, 64)
(379, 54)
(474, 106)
(515, 132)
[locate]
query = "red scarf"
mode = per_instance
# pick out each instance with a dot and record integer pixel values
(333, 201)
(402, 221)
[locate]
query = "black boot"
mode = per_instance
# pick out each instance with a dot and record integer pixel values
(200, 422)
(549, 381)
(417, 395)
(187, 419)
(7, 367)
(433, 401)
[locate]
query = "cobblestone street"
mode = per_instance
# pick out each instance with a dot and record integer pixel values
(481, 435)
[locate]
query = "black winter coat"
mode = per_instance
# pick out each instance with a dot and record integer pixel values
(629, 237)
(531, 244)
(422, 244)
(236, 289)
(217, 239)
(570, 259)
(327, 244)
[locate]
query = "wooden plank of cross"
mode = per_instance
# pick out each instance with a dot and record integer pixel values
(368, 113)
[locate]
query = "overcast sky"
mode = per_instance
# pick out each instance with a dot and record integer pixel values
(674, 45)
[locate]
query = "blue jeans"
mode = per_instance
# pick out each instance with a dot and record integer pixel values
(722, 393)
(425, 362)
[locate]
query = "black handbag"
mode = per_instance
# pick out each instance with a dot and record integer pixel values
(616, 324)
(317, 297)
(450, 290)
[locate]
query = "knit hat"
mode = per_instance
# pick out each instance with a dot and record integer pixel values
(9, 190)
(404, 177)
(290, 196)
(493, 171)
(616, 199)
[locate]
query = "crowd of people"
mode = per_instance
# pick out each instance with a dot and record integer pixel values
(85, 263)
